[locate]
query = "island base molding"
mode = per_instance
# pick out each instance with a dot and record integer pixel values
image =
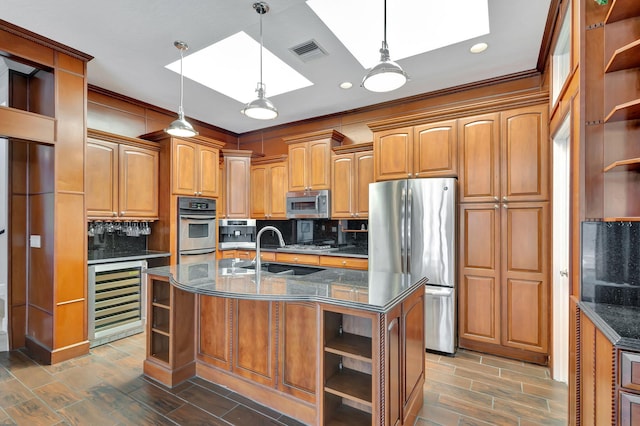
(167, 376)
(261, 394)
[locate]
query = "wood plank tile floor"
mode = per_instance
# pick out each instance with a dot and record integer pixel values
(106, 387)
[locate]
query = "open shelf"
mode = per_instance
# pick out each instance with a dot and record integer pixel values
(344, 415)
(624, 58)
(350, 384)
(626, 111)
(352, 345)
(632, 164)
(622, 9)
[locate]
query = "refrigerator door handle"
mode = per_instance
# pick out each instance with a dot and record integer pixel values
(403, 220)
(409, 219)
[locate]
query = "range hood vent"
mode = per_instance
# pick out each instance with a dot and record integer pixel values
(308, 50)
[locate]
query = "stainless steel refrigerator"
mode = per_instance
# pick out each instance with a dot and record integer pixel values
(412, 229)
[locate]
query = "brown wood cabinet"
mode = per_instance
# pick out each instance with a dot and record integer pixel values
(504, 295)
(121, 177)
(310, 159)
(269, 186)
(236, 169)
(351, 174)
(213, 341)
(195, 168)
(425, 150)
(504, 156)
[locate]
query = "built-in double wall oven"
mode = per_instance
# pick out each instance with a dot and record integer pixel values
(196, 230)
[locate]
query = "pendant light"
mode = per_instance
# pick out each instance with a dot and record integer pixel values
(260, 108)
(386, 75)
(181, 127)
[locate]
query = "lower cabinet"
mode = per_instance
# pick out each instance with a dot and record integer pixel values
(213, 341)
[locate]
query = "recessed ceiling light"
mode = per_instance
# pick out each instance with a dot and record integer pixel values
(478, 47)
(346, 85)
(237, 80)
(410, 32)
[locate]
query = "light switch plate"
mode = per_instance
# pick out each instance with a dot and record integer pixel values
(34, 241)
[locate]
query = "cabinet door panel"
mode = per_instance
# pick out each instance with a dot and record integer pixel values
(138, 180)
(253, 341)
(525, 228)
(479, 148)
(297, 165)
(413, 337)
(209, 159)
(394, 373)
(523, 326)
(214, 340)
(629, 409)
(319, 165)
(278, 190)
(479, 309)
(259, 191)
(184, 167)
(237, 179)
(435, 150)
(342, 181)
(102, 178)
(393, 153)
(525, 154)
(299, 342)
(363, 177)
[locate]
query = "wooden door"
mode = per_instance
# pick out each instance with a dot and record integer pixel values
(342, 184)
(479, 294)
(278, 187)
(214, 332)
(363, 177)
(253, 341)
(238, 171)
(101, 178)
(525, 283)
(393, 154)
(138, 180)
(479, 158)
(208, 161)
(525, 154)
(319, 164)
(184, 157)
(259, 191)
(297, 167)
(298, 348)
(435, 151)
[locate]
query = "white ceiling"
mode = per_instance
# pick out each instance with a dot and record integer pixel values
(132, 41)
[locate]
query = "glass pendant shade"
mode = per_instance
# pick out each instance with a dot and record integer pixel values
(386, 75)
(181, 127)
(260, 108)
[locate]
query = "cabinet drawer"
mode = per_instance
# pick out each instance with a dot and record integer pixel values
(228, 254)
(267, 256)
(305, 259)
(246, 254)
(344, 262)
(629, 409)
(630, 370)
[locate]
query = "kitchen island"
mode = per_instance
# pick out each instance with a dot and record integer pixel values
(336, 346)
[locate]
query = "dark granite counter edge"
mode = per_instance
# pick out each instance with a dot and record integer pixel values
(303, 298)
(607, 330)
(128, 258)
(330, 253)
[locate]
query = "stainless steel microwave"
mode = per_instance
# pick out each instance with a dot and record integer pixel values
(308, 205)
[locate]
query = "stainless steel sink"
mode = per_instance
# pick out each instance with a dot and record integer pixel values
(285, 269)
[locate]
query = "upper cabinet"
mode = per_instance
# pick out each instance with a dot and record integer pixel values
(505, 156)
(235, 169)
(310, 159)
(351, 174)
(425, 150)
(121, 177)
(269, 185)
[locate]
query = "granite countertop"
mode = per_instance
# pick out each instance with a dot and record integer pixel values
(342, 287)
(349, 251)
(111, 256)
(620, 324)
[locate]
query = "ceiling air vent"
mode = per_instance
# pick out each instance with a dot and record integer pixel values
(308, 50)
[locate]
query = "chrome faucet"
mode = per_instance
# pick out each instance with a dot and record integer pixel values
(280, 239)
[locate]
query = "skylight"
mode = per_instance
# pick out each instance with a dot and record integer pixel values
(413, 26)
(232, 67)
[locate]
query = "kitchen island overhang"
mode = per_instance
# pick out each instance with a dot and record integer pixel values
(330, 345)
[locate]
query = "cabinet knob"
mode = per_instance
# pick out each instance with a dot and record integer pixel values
(496, 198)
(505, 206)
(344, 262)
(417, 174)
(495, 206)
(122, 213)
(114, 214)
(295, 259)
(504, 198)
(357, 214)
(408, 174)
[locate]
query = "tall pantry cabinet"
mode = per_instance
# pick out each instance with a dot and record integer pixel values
(504, 227)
